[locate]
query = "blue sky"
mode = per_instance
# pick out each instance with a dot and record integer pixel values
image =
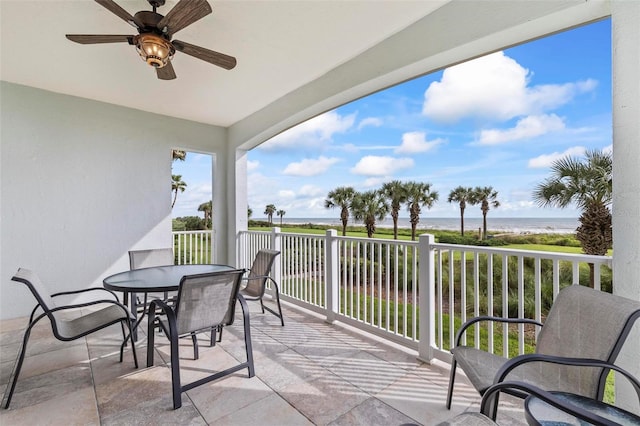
(499, 121)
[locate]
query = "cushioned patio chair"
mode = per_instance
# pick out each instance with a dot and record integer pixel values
(259, 277)
(67, 327)
(488, 411)
(584, 328)
(205, 301)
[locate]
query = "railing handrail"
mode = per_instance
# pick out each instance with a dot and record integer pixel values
(527, 253)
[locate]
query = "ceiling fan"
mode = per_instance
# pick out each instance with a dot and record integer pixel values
(155, 31)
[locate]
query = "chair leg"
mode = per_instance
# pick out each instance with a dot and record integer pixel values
(194, 339)
(247, 336)
(11, 386)
(452, 379)
(220, 328)
(133, 345)
(279, 313)
(279, 307)
(175, 371)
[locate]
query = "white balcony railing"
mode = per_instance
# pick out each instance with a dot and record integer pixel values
(418, 293)
(192, 247)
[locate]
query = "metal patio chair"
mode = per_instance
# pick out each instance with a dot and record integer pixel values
(139, 259)
(584, 329)
(205, 302)
(66, 329)
(259, 277)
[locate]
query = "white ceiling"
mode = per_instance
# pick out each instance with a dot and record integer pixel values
(279, 45)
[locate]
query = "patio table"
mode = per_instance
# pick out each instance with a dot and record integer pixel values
(539, 413)
(154, 279)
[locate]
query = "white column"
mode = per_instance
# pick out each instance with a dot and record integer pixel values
(625, 17)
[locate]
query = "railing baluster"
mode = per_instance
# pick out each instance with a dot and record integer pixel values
(452, 303)
(463, 288)
(520, 304)
(538, 292)
(490, 312)
(476, 297)
(505, 304)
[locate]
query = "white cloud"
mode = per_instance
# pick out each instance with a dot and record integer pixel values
(526, 128)
(608, 149)
(494, 87)
(370, 121)
(188, 201)
(545, 160)
(252, 165)
(310, 167)
(415, 142)
(286, 194)
(312, 133)
(311, 191)
(373, 165)
(375, 181)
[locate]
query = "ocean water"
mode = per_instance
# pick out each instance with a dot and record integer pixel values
(519, 225)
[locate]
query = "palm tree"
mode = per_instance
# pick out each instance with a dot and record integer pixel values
(178, 154)
(269, 210)
(396, 193)
(461, 195)
(341, 197)
(281, 213)
(418, 195)
(207, 208)
(177, 184)
(249, 212)
(368, 207)
(486, 197)
(587, 183)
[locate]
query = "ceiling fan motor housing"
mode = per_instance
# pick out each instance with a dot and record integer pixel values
(154, 49)
(153, 46)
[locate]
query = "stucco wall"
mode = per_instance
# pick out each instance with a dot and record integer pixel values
(83, 182)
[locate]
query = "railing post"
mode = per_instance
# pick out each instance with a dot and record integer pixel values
(427, 301)
(276, 244)
(332, 257)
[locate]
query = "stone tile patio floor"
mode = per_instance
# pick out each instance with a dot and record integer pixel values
(308, 372)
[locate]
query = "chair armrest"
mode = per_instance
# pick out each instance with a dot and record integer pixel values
(164, 306)
(255, 277)
(486, 406)
(95, 302)
(85, 290)
(472, 321)
(578, 362)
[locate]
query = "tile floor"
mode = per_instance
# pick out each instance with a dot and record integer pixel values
(307, 373)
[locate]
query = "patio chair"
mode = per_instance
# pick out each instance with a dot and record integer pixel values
(258, 278)
(584, 328)
(68, 327)
(205, 301)
(139, 259)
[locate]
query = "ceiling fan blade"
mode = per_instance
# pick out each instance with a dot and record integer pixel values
(216, 58)
(166, 72)
(120, 12)
(185, 13)
(99, 38)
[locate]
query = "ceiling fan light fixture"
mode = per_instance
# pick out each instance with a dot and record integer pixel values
(154, 50)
